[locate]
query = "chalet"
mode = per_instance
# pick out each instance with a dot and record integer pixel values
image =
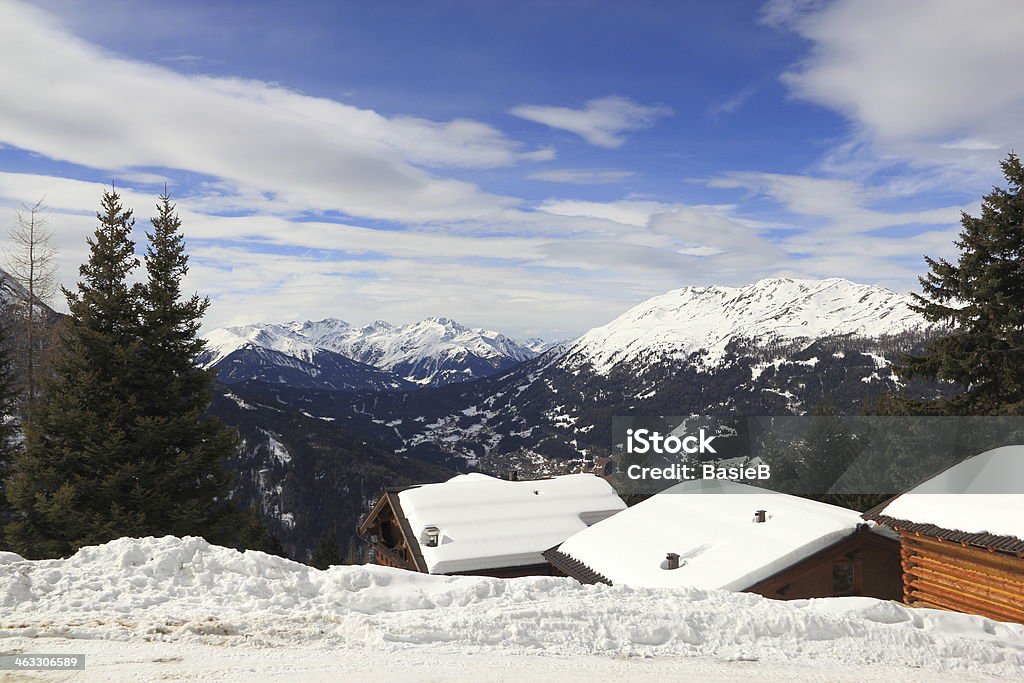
(962, 536)
(726, 535)
(476, 524)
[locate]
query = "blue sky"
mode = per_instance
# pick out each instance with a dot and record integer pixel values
(533, 167)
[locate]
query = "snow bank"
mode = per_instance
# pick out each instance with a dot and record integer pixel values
(184, 590)
(7, 558)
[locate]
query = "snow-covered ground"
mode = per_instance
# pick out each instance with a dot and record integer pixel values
(180, 609)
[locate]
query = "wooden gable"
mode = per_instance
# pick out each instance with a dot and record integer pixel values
(391, 540)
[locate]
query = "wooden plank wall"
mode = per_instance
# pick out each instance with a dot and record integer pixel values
(952, 576)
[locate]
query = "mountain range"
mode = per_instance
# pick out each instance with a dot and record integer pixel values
(332, 354)
(775, 347)
(330, 412)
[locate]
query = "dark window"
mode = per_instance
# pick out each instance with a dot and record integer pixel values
(390, 535)
(844, 578)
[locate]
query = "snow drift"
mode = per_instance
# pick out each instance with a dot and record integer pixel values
(185, 590)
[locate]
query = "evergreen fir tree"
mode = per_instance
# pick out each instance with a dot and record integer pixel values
(185, 449)
(253, 535)
(75, 481)
(326, 553)
(981, 298)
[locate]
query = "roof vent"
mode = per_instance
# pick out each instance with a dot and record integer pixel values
(672, 561)
(433, 534)
(513, 475)
(761, 516)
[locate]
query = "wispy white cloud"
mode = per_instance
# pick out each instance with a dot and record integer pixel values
(925, 81)
(602, 122)
(582, 176)
(844, 205)
(786, 12)
(184, 60)
(732, 103)
(317, 153)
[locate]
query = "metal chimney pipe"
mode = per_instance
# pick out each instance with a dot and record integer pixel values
(761, 516)
(513, 475)
(673, 561)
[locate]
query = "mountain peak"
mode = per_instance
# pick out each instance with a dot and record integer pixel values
(690, 319)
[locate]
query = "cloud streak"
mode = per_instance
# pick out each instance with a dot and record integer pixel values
(582, 176)
(602, 122)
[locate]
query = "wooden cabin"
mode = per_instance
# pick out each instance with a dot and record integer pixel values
(962, 536)
(480, 525)
(726, 535)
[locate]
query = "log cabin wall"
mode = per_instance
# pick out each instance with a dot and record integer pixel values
(863, 564)
(954, 576)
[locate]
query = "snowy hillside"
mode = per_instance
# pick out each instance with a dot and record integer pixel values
(434, 351)
(174, 605)
(13, 292)
(772, 310)
(10, 289)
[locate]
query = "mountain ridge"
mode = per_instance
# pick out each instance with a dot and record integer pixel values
(430, 352)
(689, 320)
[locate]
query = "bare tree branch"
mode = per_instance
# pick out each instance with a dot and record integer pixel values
(32, 262)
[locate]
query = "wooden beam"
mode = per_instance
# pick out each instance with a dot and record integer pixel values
(1011, 598)
(1013, 584)
(996, 558)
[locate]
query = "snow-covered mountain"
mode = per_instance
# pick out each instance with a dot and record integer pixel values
(274, 355)
(771, 311)
(10, 289)
(432, 352)
(775, 347)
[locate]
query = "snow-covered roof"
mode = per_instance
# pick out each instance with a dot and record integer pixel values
(711, 526)
(487, 523)
(982, 494)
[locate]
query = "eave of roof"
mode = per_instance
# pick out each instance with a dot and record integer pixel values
(1010, 544)
(573, 567)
